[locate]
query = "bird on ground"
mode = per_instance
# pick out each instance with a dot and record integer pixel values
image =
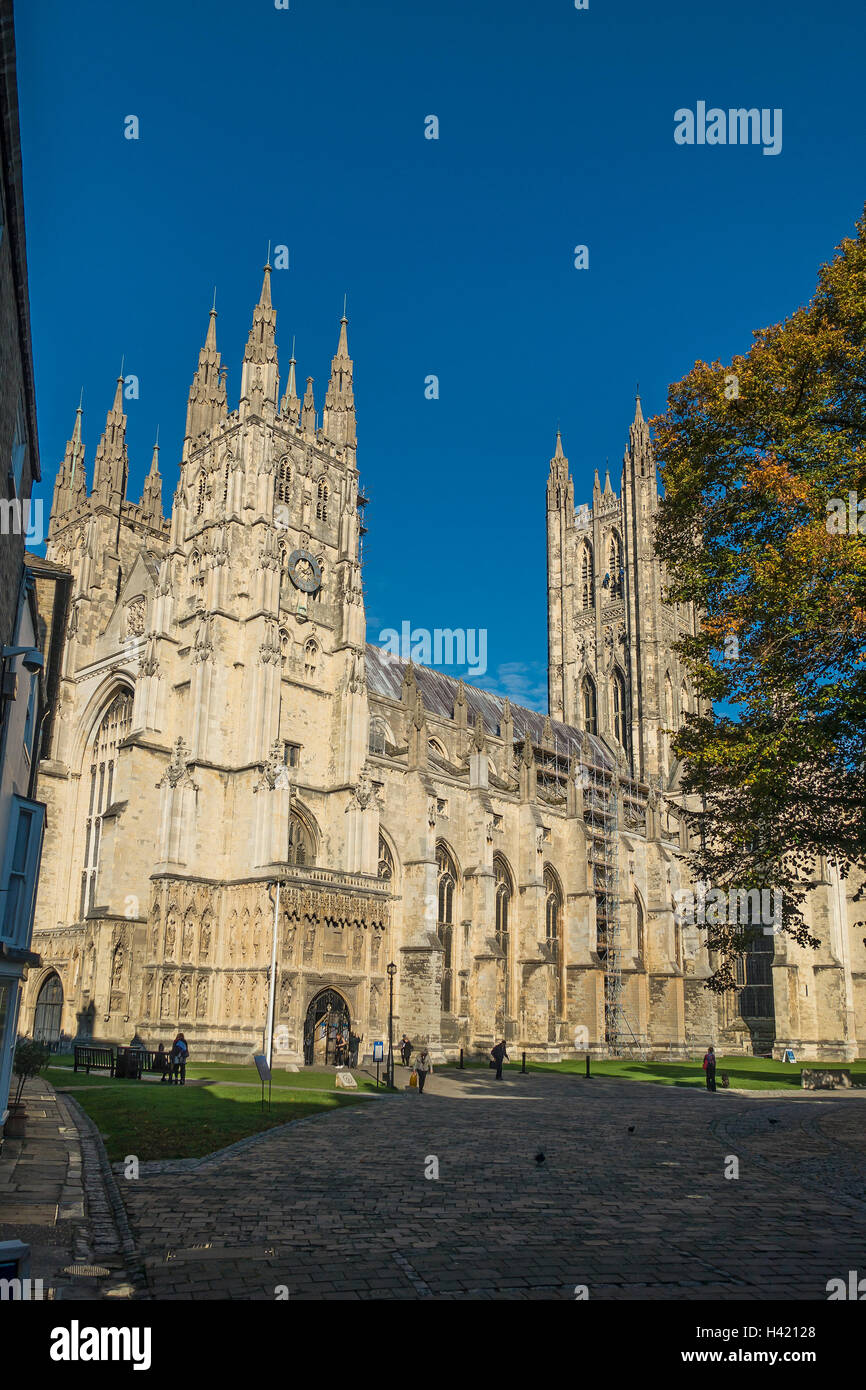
(539, 1158)
(631, 1129)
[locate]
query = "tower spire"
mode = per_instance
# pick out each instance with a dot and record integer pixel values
(338, 419)
(308, 411)
(70, 485)
(207, 395)
(151, 497)
(259, 375)
(290, 405)
(111, 467)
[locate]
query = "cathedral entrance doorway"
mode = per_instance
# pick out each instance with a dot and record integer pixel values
(49, 1007)
(326, 1029)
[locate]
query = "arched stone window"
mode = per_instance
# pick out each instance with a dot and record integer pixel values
(435, 747)
(503, 893)
(284, 480)
(114, 726)
(201, 487)
(586, 576)
(685, 703)
(639, 927)
(386, 860)
(311, 658)
(552, 908)
(377, 736)
(620, 719)
(614, 564)
(590, 705)
(300, 842)
(322, 500)
(447, 882)
(285, 648)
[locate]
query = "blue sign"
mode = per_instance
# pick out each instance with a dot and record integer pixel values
(378, 1051)
(789, 1055)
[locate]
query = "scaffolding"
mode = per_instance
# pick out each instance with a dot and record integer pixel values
(601, 791)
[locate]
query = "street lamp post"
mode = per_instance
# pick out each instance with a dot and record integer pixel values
(392, 971)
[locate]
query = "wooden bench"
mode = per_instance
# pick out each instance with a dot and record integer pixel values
(101, 1058)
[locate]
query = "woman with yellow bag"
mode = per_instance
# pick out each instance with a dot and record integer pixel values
(422, 1067)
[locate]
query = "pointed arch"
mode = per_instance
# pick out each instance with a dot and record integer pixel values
(619, 707)
(284, 480)
(447, 884)
(553, 900)
(503, 894)
(586, 576)
(311, 658)
(639, 927)
(322, 494)
(589, 702)
(614, 564)
(98, 785)
(387, 867)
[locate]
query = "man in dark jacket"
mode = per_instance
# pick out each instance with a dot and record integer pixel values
(499, 1055)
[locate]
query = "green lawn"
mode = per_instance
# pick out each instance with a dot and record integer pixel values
(746, 1073)
(188, 1122)
(153, 1121)
(61, 1075)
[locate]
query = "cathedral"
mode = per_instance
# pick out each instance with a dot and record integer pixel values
(256, 820)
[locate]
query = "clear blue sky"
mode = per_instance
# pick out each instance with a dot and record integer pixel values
(306, 127)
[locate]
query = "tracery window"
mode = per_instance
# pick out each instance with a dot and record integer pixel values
(620, 722)
(553, 908)
(114, 726)
(377, 737)
(503, 893)
(284, 479)
(447, 882)
(386, 860)
(614, 565)
(586, 576)
(590, 706)
(300, 842)
(311, 658)
(322, 500)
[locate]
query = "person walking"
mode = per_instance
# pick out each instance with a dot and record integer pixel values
(422, 1067)
(179, 1059)
(499, 1055)
(405, 1050)
(710, 1067)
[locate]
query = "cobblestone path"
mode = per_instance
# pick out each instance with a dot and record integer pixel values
(630, 1200)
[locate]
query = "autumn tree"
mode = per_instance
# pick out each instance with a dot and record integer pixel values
(763, 528)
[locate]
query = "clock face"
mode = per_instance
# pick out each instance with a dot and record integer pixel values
(305, 571)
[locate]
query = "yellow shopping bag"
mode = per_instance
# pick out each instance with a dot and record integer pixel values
(413, 1079)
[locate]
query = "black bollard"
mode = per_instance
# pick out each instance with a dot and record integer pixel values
(461, 1059)
(523, 1068)
(587, 1064)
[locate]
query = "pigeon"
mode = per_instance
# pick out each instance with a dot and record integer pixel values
(631, 1129)
(771, 1120)
(539, 1158)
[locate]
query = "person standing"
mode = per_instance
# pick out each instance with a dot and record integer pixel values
(161, 1064)
(499, 1055)
(422, 1067)
(710, 1067)
(405, 1050)
(179, 1058)
(354, 1044)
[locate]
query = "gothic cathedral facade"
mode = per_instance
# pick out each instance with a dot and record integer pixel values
(234, 777)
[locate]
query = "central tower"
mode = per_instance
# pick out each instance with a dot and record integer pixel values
(612, 668)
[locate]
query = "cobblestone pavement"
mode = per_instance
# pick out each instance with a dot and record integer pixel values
(56, 1195)
(631, 1199)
